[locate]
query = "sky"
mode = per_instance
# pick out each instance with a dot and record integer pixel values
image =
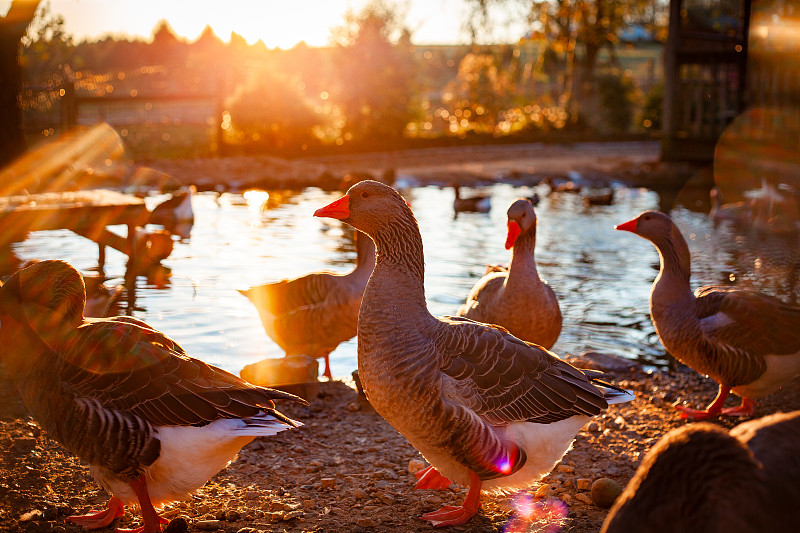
(279, 23)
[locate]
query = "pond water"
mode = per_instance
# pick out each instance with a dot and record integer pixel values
(602, 277)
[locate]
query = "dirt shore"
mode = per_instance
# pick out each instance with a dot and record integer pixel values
(348, 470)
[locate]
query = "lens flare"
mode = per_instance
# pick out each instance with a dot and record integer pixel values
(545, 516)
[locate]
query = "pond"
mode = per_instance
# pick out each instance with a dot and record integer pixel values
(602, 277)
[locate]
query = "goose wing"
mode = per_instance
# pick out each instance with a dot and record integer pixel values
(125, 365)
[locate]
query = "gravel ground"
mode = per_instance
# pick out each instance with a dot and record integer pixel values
(348, 470)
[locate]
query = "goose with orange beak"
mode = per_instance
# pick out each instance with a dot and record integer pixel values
(485, 408)
(746, 341)
(516, 297)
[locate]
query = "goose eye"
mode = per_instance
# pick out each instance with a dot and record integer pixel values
(365, 195)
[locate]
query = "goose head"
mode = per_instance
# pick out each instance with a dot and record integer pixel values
(659, 229)
(368, 206)
(521, 220)
(49, 296)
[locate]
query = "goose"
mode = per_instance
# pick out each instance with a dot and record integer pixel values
(485, 408)
(565, 186)
(478, 203)
(176, 209)
(517, 298)
(600, 199)
(737, 213)
(311, 315)
(153, 423)
(100, 300)
(701, 478)
(748, 342)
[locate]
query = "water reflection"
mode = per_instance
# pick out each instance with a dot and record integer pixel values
(601, 277)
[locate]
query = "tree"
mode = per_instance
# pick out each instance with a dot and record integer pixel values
(375, 70)
(12, 28)
(46, 46)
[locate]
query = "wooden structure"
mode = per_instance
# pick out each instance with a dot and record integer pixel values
(87, 213)
(705, 74)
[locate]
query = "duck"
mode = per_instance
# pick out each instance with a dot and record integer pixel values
(606, 198)
(565, 186)
(486, 409)
(516, 297)
(153, 423)
(312, 314)
(746, 341)
(175, 209)
(704, 479)
(477, 203)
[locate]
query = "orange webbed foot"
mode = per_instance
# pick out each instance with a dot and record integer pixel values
(697, 414)
(430, 478)
(746, 408)
(99, 519)
(450, 515)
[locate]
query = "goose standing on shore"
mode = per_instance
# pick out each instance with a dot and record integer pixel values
(485, 408)
(152, 423)
(517, 298)
(746, 341)
(313, 314)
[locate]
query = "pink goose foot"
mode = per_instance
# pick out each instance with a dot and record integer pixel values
(450, 515)
(746, 408)
(430, 478)
(712, 411)
(99, 519)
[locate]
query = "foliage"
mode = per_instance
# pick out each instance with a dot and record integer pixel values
(271, 111)
(651, 115)
(478, 96)
(374, 65)
(615, 92)
(46, 46)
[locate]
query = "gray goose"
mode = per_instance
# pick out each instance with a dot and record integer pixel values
(517, 298)
(477, 203)
(485, 408)
(152, 423)
(313, 314)
(746, 341)
(702, 479)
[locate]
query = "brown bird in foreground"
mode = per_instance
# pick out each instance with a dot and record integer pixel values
(746, 341)
(313, 314)
(152, 423)
(485, 408)
(701, 479)
(517, 298)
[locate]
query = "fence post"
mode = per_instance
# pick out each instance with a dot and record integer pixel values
(69, 107)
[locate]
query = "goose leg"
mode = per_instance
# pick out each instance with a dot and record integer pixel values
(712, 411)
(450, 515)
(327, 372)
(152, 522)
(744, 409)
(430, 478)
(99, 519)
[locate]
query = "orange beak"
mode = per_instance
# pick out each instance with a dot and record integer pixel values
(338, 209)
(627, 226)
(513, 232)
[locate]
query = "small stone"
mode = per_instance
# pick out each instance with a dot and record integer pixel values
(309, 504)
(359, 494)
(273, 517)
(252, 495)
(202, 509)
(584, 484)
(36, 514)
(605, 491)
(433, 500)
(565, 469)
(415, 465)
(386, 498)
(594, 427)
(247, 530)
(566, 498)
(292, 514)
(232, 515)
(365, 522)
(544, 491)
(208, 525)
(177, 525)
(50, 513)
(353, 406)
(584, 497)
(328, 483)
